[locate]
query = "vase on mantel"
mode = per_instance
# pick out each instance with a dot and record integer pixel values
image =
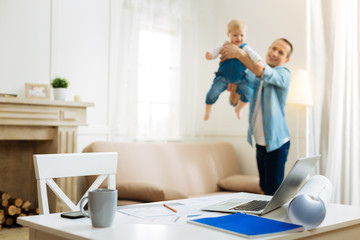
(60, 93)
(60, 88)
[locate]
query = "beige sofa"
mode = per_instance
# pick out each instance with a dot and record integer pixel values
(148, 172)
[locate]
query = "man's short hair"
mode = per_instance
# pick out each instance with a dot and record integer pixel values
(288, 43)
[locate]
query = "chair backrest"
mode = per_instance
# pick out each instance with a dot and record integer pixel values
(49, 166)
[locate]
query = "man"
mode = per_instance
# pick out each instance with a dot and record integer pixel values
(267, 105)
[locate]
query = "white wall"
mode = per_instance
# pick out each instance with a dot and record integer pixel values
(80, 52)
(41, 39)
(24, 44)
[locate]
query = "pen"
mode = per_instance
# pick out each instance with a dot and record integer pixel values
(174, 210)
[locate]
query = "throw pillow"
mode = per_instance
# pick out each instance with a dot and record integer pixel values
(241, 183)
(146, 192)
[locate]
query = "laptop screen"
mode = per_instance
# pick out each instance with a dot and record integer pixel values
(292, 183)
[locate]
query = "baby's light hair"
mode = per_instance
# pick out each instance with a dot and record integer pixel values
(234, 25)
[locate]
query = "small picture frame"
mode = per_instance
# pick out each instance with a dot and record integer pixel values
(39, 91)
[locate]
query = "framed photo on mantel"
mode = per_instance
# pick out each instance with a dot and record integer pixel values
(39, 91)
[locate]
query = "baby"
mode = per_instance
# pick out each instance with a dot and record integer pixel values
(231, 70)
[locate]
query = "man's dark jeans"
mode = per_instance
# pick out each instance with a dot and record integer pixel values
(271, 167)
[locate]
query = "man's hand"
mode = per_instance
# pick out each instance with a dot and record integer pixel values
(229, 51)
(234, 97)
(231, 87)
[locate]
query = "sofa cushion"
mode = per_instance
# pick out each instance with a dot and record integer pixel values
(146, 192)
(190, 168)
(241, 183)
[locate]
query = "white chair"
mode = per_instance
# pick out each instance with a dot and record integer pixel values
(49, 166)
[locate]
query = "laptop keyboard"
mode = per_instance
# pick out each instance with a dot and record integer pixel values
(254, 205)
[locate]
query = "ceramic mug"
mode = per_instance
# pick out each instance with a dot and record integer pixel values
(102, 207)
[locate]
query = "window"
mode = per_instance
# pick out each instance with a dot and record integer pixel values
(158, 85)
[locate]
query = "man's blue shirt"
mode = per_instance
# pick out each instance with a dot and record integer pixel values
(273, 100)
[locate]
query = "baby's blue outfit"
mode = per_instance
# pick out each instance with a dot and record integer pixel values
(230, 71)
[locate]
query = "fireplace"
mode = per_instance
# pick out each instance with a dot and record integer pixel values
(32, 126)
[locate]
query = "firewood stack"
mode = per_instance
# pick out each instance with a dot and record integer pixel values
(11, 208)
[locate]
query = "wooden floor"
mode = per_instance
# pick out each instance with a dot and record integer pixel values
(20, 233)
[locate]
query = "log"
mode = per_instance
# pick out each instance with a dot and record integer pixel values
(4, 195)
(4, 202)
(9, 221)
(11, 210)
(16, 201)
(2, 216)
(26, 205)
(18, 211)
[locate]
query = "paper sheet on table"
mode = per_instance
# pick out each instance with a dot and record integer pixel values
(158, 214)
(308, 207)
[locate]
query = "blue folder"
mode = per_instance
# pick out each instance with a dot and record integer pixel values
(246, 225)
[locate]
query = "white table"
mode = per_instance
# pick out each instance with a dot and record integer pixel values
(341, 222)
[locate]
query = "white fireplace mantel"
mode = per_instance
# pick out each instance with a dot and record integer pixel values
(46, 126)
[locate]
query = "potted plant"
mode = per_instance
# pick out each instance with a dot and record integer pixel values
(59, 86)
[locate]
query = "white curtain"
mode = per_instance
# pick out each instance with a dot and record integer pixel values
(334, 62)
(148, 102)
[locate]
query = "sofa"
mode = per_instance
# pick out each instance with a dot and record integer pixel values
(150, 172)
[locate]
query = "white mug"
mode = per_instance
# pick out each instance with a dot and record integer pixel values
(102, 207)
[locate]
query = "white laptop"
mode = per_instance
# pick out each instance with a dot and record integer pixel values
(288, 188)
